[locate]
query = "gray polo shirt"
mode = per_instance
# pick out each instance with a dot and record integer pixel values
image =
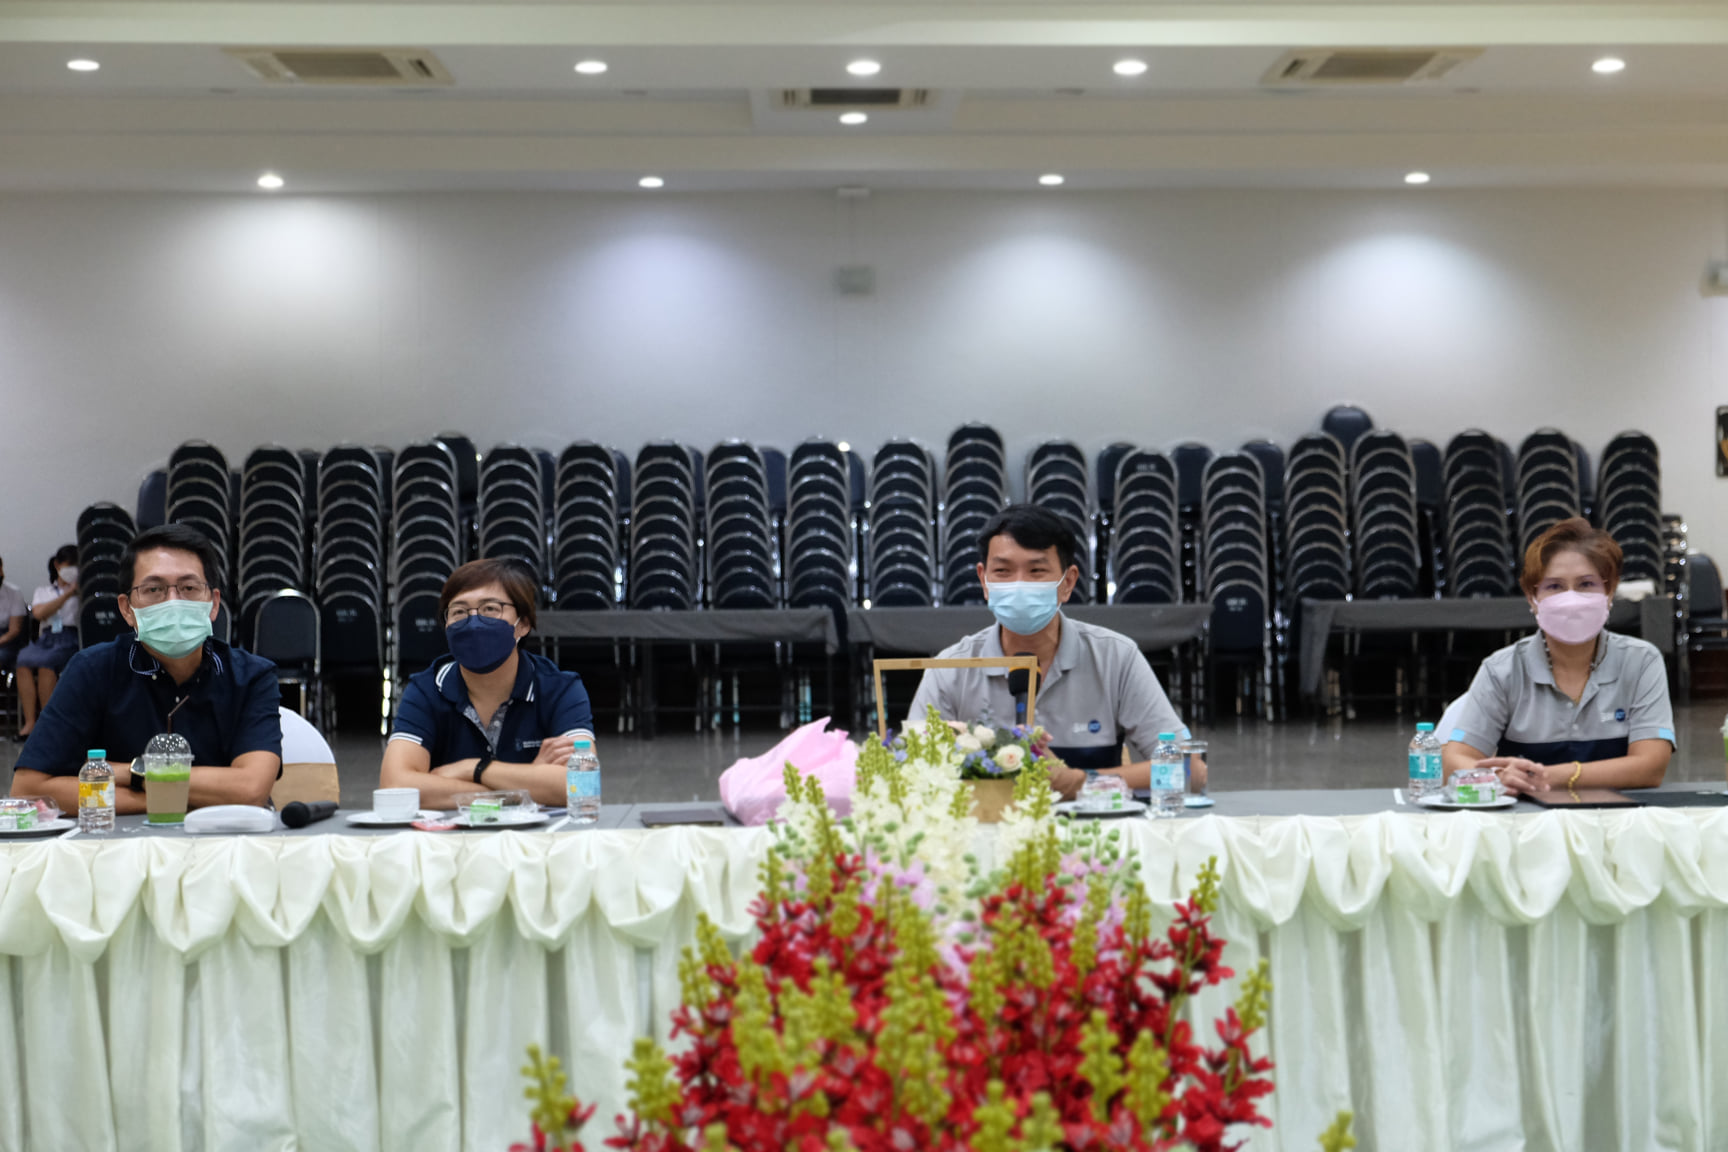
(1514, 709)
(1098, 693)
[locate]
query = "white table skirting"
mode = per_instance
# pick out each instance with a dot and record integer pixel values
(1557, 981)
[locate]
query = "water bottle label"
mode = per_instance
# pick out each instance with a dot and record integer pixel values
(95, 794)
(1424, 766)
(1167, 777)
(584, 785)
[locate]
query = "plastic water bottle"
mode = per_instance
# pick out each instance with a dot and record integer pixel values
(1169, 778)
(96, 793)
(582, 783)
(1425, 771)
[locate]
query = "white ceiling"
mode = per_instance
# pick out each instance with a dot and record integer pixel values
(1021, 89)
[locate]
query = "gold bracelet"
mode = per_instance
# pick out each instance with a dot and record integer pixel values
(1577, 771)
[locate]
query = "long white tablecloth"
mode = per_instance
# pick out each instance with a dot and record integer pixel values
(1556, 981)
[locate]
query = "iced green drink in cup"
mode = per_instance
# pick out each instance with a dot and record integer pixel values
(167, 779)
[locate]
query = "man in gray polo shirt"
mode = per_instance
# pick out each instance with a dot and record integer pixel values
(1095, 690)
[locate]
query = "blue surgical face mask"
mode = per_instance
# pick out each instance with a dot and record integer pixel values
(481, 644)
(174, 628)
(1024, 607)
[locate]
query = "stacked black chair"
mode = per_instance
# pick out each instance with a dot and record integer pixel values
(1236, 560)
(1190, 459)
(275, 530)
(467, 485)
(1316, 511)
(1547, 484)
(349, 557)
(99, 619)
(1430, 512)
(1706, 614)
(512, 508)
(586, 565)
(1346, 423)
(743, 560)
(1386, 534)
(201, 495)
(428, 545)
(1104, 467)
(153, 499)
(285, 631)
(1629, 505)
(974, 488)
(820, 568)
(104, 530)
(1271, 459)
(1056, 480)
(1479, 557)
(665, 555)
(1145, 540)
(902, 515)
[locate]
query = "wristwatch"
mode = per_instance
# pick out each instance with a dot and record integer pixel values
(485, 762)
(135, 774)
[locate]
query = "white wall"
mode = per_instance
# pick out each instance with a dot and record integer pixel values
(128, 323)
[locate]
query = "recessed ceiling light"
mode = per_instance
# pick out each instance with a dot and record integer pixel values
(864, 67)
(270, 181)
(853, 119)
(1415, 177)
(651, 182)
(591, 67)
(82, 65)
(1608, 66)
(1050, 179)
(1130, 67)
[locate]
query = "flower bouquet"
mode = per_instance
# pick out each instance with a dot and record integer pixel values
(989, 758)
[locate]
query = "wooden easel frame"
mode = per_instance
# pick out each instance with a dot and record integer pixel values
(918, 663)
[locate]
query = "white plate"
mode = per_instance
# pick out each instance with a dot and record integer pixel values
(46, 828)
(528, 821)
(379, 820)
(1129, 808)
(1446, 805)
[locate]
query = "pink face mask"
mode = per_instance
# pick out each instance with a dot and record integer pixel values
(1573, 617)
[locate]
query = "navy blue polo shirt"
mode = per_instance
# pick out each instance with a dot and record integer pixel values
(116, 696)
(545, 702)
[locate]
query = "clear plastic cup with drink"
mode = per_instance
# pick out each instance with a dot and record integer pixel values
(167, 779)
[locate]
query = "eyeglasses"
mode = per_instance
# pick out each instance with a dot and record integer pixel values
(155, 591)
(491, 609)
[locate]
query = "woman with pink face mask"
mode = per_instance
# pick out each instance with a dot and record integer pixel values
(1573, 706)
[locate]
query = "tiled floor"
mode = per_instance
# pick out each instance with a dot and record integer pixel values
(1244, 754)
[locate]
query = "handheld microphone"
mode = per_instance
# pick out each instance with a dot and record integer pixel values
(1019, 683)
(299, 814)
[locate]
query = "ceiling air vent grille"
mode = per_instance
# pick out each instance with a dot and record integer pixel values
(370, 67)
(1346, 67)
(855, 97)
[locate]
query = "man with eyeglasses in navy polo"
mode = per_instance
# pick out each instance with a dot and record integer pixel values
(171, 676)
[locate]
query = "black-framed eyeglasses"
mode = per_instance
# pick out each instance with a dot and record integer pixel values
(491, 609)
(155, 591)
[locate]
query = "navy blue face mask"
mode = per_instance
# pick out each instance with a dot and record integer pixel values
(481, 643)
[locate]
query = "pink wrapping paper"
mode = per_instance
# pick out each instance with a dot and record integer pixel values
(753, 788)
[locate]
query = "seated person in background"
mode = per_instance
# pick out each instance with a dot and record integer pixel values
(1573, 705)
(12, 613)
(488, 716)
(55, 605)
(1095, 689)
(172, 676)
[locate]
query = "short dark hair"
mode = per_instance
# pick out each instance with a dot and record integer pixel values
(178, 538)
(1574, 535)
(1032, 527)
(65, 554)
(515, 577)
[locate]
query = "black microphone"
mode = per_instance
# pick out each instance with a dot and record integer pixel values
(299, 814)
(1019, 683)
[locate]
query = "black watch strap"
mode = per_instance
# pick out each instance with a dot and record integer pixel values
(135, 776)
(485, 762)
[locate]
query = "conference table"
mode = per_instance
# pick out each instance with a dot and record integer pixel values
(1549, 980)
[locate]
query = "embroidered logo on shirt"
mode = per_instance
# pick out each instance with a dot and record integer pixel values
(1620, 714)
(1094, 727)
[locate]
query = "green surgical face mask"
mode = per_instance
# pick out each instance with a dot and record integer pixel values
(174, 628)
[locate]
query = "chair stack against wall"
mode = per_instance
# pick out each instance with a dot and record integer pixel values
(743, 560)
(512, 509)
(1629, 505)
(819, 536)
(589, 495)
(974, 489)
(275, 531)
(429, 533)
(665, 552)
(349, 558)
(1479, 558)
(902, 516)
(1104, 467)
(1191, 459)
(1237, 563)
(104, 530)
(201, 495)
(1386, 536)
(1547, 484)
(1145, 537)
(1056, 480)
(1316, 539)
